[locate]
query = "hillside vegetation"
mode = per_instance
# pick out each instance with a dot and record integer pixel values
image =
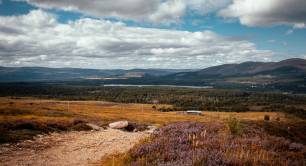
(179, 98)
(23, 118)
(196, 144)
(216, 137)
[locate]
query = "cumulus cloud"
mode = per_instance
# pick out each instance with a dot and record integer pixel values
(267, 12)
(172, 10)
(157, 11)
(169, 11)
(124, 9)
(38, 39)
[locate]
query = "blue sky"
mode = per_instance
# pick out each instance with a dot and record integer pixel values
(279, 37)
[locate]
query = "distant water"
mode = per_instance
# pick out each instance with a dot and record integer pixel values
(171, 86)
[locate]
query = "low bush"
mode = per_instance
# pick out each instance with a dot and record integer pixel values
(192, 143)
(81, 127)
(234, 125)
(16, 130)
(294, 132)
(240, 108)
(13, 112)
(266, 117)
(166, 109)
(136, 127)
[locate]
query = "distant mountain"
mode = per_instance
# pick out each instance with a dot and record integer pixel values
(287, 75)
(287, 67)
(19, 74)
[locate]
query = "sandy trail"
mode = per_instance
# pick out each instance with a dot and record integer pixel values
(73, 148)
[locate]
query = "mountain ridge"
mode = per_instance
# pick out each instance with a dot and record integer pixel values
(246, 68)
(286, 69)
(16, 74)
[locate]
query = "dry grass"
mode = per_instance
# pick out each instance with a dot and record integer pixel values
(56, 115)
(66, 113)
(107, 111)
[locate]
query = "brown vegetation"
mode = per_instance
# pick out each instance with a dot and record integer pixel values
(22, 118)
(193, 143)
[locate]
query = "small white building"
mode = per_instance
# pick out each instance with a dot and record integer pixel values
(194, 112)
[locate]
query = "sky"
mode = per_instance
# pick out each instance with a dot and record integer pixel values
(126, 34)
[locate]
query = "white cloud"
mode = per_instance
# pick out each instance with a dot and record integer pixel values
(169, 11)
(157, 11)
(123, 9)
(299, 25)
(38, 39)
(267, 12)
(172, 10)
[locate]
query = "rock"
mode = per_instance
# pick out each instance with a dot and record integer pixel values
(119, 125)
(94, 127)
(151, 129)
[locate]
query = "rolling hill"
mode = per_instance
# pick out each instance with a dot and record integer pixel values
(286, 75)
(28, 74)
(287, 67)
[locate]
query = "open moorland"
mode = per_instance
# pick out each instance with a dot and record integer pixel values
(216, 138)
(40, 115)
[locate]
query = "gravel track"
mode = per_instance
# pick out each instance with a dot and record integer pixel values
(71, 148)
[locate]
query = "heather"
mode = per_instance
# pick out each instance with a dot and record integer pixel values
(194, 143)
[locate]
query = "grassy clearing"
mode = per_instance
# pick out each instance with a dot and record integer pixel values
(29, 108)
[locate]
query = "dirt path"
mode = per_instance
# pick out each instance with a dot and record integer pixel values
(73, 148)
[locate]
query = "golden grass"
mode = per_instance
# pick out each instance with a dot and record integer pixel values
(108, 111)
(102, 112)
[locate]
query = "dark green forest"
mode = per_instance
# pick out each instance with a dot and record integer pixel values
(180, 98)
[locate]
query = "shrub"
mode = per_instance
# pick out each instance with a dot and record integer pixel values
(136, 127)
(266, 117)
(164, 109)
(234, 125)
(17, 130)
(195, 144)
(240, 108)
(81, 127)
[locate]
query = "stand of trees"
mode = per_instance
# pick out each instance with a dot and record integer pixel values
(180, 98)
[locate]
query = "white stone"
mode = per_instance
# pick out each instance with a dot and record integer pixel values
(94, 127)
(119, 125)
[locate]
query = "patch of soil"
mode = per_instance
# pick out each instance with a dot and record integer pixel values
(72, 148)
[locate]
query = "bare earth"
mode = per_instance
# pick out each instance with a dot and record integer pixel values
(73, 148)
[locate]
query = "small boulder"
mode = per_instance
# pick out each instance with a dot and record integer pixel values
(119, 125)
(94, 127)
(151, 129)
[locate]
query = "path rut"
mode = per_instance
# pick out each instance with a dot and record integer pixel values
(72, 148)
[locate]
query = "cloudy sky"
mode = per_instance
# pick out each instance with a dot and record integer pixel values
(108, 34)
